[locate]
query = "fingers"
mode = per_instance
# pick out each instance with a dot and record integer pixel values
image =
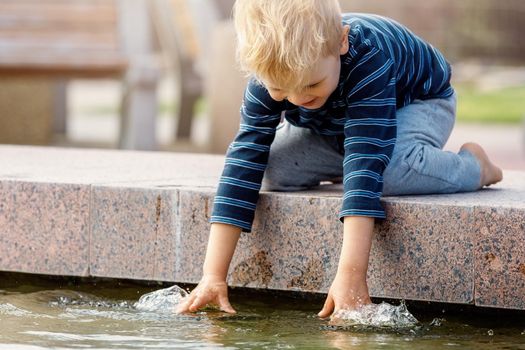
(198, 303)
(184, 305)
(203, 295)
(225, 305)
(327, 307)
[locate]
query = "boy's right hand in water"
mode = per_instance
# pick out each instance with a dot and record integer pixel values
(210, 290)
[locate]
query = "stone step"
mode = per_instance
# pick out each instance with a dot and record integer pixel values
(144, 215)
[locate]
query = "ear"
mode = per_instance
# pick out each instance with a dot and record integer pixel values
(344, 45)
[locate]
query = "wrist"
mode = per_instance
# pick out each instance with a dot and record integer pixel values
(351, 273)
(213, 276)
(352, 270)
(216, 271)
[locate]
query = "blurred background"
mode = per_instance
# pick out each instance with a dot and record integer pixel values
(161, 74)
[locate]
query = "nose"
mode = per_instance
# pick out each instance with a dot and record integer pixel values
(299, 99)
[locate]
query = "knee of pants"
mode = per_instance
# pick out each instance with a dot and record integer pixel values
(282, 181)
(400, 169)
(272, 183)
(416, 171)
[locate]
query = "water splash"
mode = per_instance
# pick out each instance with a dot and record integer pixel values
(375, 315)
(162, 300)
(72, 298)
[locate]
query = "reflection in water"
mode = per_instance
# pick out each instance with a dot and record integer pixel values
(108, 318)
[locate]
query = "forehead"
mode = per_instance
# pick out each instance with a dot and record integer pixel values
(323, 67)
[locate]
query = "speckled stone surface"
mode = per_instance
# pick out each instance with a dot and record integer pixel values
(294, 250)
(131, 232)
(44, 228)
(50, 223)
(90, 166)
(500, 258)
(418, 254)
(144, 215)
(192, 233)
(422, 253)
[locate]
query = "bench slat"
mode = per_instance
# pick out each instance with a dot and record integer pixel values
(87, 66)
(77, 37)
(55, 41)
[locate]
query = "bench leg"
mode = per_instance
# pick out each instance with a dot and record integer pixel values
(190, 91)
(139, 111)
(60, 107)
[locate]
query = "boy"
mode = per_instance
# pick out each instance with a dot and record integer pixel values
(363, 99)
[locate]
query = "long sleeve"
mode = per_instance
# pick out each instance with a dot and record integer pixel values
(246, 159)
(370, 134)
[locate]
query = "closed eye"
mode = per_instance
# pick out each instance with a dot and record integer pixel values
(311, 86)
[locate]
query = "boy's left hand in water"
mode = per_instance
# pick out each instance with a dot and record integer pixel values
(211, 289)
(348, 291)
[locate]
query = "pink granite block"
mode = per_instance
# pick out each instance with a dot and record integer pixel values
(91, 166)
(274, 255)
(423, 252)
(44, 228)
(420, 253)
(294, 244)
(500, 257)
(132, 230)
(193, 229)
(167, 208)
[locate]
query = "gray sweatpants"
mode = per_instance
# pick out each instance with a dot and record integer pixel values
(300, 159)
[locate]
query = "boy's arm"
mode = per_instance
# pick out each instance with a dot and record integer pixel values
(213, 287)
(349, 288)
(221, 246)
(246, 159)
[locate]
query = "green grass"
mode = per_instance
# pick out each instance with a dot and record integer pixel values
(498, 106)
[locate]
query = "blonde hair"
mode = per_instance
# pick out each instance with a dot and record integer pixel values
(280, 40)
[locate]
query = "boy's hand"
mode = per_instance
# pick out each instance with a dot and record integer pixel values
(348, 291)
(211, 289)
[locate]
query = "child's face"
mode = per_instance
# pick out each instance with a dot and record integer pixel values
(322, 81)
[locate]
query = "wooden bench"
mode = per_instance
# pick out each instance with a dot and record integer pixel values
(88, 39)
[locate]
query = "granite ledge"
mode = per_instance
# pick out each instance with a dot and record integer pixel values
(460, 248)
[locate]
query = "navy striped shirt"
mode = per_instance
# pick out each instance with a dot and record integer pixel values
(386, 67)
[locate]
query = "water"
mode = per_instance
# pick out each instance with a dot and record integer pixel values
(59, 314)
(383, 315)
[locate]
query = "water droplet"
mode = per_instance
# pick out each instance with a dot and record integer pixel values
(437, 322)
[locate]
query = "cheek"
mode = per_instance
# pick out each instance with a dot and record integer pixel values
(329, 87)
(321, 92)
(277, 96)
